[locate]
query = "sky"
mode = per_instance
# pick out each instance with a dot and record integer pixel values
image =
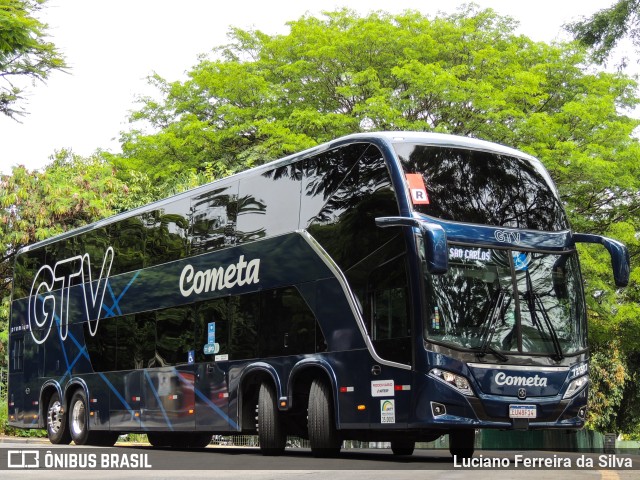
(112, 46)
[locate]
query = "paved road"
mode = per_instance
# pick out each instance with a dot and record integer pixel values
(226, 463)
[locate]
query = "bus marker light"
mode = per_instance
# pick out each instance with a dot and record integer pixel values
(91, 414)
(362, 408)
(283, 403)
(137, 414)
(94, 400)
(223, 395)
(191, 410)
(400, 388)
(346, 389)
(135, 399)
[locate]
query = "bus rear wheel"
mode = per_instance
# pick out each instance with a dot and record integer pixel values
(323, 435)
(57, 428)
(79, 424)
(270, 429)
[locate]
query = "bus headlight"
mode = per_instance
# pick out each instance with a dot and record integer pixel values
(456, 381)
(576, 385)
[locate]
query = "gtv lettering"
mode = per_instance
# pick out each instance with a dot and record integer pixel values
(219, 278)
(50, 283)
(507, 237)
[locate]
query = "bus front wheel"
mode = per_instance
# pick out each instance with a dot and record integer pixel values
(270, 429)
(403, 447)
(461, 443)
(57, 428)
(323, 435)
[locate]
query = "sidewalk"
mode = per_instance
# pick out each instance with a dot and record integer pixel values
(32, 440)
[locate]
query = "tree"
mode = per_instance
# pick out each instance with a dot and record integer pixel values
(263, 96)
(24, 52)
(604, 29)
(72, 191)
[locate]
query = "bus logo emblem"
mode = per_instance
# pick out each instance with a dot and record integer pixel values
(506, 236)
(63, 273)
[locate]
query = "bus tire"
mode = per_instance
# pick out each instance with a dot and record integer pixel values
(79, 418)
(57, 427)
(323, 435)
(159, 439)
(270, 429)
(103, 438)
(197, 439)
(403, 447)
(462, 443)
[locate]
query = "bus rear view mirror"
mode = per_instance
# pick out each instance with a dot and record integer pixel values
(619, 255)
(434, 241)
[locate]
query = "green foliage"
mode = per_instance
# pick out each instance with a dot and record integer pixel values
(608, 376)
(71, 192)
(24, 51)
(603, 30)
(264, 96)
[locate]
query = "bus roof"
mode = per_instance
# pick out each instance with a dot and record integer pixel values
(387, 137)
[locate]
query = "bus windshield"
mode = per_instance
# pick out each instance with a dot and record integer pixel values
(498, 300)
(475, 186)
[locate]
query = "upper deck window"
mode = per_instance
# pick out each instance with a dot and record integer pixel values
(481, 187)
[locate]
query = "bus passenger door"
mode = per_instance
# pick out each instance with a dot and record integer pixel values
(390, 331)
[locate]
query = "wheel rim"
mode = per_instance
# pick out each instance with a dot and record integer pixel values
(55, 417)
(78, 415)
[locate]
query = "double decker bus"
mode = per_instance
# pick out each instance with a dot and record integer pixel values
(394, 287)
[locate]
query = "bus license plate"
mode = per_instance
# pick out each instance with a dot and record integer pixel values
(522, 411)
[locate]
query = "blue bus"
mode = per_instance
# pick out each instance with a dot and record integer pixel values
(392, 287)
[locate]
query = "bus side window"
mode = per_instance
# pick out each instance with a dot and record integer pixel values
(167, 233)
(287, 326)
(212, 326)
(174, 336)
(245, 315)
(214, 217)
(17, 353)
(136, 341)
(25, 269)
(269, 204)
(127, 238)
(102, 346)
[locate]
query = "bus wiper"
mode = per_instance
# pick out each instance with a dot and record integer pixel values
(533, 301)
(491, 319)
(487, 349)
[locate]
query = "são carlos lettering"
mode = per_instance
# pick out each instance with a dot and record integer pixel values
(219, 278)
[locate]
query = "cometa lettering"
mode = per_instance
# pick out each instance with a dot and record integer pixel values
(219, 278)
(504, 379)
